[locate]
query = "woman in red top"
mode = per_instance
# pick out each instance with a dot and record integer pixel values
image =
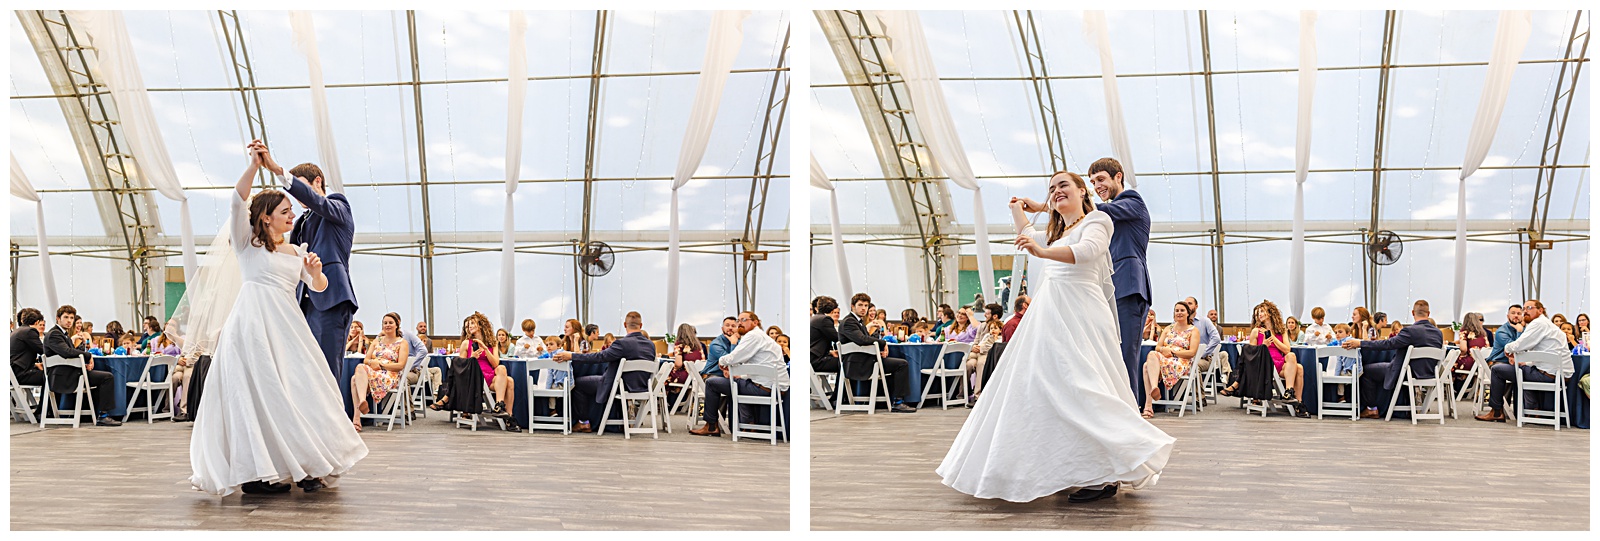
(1472, 335)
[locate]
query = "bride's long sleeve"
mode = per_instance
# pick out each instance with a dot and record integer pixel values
(1096, 239)
(239, 223)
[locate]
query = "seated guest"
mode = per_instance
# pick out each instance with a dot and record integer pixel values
(152, 329)
(477, 335)
(754, 348)
(922, 333)
(1341, 332)
(995, 312)
(422, 334)
(1558, 320)
(114, 333)
(909, 317)
(419, 362)
(963, 330)
(773, 332)
(1395, 326)
(1017, 310)
(27, 348)
(1472, 336)
(357, 342)
(684, 350)
(378, 374)
(503, 344)
(128, 346)
(824, 336)
(1210, 351)
(1384, 376)
(1268, 330)
(1291, 326)
(783, 342)
(859, 365)
(720, 346)
(946, 317)
(591, 333)
(590, 393)
(64, 379)
(980, 354)
(1362, 325)
(1582, 322)
(181, 371)
(1506, 334)
(1540, 336)
(83, 335)
(1212, 315)
(1152, 330)
(1170, 360)
(572, 338)
(164, 346)
(1380, 320)
(1571, 332)
(1318, 333)
(529, 346)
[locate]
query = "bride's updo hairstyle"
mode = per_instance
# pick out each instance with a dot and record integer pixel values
(262, 204)
(1058, 223)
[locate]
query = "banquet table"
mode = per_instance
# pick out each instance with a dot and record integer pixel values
(125, 369)
(921, 357)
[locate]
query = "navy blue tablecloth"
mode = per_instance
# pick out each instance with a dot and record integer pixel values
(920, 357)
(1310, 396)
(1580, 403)
(125, 369)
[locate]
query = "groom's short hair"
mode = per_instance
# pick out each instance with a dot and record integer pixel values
(1110, 165)
(310, 172)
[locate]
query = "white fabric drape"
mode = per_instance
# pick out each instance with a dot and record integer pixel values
(305, 41)
(819, 179)
(1094, 29)
(516, 95)
(911, 53)
(1302, 162)
(20, 187)
(1510, 38)
(119, 69)
(722, 46)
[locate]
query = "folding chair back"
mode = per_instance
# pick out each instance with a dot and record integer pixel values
(646, 401)
(154, 392)
(80, 394)
(942, 372)
(1553, 417)
(846, 399)
(540, 387)
(774, 428)
(1327, 357)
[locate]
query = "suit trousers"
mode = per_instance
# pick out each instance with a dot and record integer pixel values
(584, 407)
(1502, 377)
(101, 385)
(825, 365)
(1372, 376)
(331, 327)
(1131, 312)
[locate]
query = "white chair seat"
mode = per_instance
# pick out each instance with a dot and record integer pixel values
(1553, 417)
(943, 373)
(1325, 365)
(775, 427)
(540, 387)
(846, 399)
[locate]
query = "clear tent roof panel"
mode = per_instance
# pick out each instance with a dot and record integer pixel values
(43, 146)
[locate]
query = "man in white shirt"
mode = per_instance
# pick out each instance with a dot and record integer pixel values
(1539, 336)
(1319, 333)
(756, 348)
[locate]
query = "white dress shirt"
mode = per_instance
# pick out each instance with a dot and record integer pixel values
(755, 347)
(1318, 334)
(528, 347)
(1543, 336)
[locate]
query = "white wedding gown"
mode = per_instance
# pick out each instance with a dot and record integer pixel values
(272, 411)
(1059, 413)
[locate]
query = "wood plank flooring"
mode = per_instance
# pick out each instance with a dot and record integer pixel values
(1228, 471)
(431, 476)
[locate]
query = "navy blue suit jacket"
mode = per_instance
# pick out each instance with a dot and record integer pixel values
(1130, 239)
(1421, 334)
(329, 229)
(634, 346)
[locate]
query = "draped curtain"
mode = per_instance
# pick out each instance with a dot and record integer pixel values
(820, 180)
(305, 41)
(516, 95)
(119, 70)
(21, 188)
(1302, 162)
(911, 53)
(1510, 37)
(1094, 29)
(722, 46)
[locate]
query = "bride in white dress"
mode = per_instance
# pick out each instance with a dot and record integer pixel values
(1059, 414)
(272, 412)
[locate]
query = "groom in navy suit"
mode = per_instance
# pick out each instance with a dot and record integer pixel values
(329, 230)
(1130, 239)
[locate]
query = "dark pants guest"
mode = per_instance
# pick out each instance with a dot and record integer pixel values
(1502, 377)
(1372, 376)
(894, 368)
(584, 407)
(825, 365)
(64, 379)
(719, 389)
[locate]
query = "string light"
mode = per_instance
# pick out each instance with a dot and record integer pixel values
(366, 114)
(1238, 96)
(450, 140)
(982, 119)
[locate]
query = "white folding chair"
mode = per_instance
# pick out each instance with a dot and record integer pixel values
(1327, 375)
(774, 401)
(1553, 417)
(401, 392)
(658, 385)
(1477, 378)
(80, 394)
(1262, 406)
(153, 390)
(645, 400)
(1210, 377)
(24, 399)
(421, 393)
(692, 395)
(1433, 389)
(846, 399)
(1185, 397)
(540, 387)
(942, 372)
(483, 416)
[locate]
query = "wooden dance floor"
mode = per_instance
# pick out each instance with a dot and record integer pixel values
(431, 476)
(1228, 471)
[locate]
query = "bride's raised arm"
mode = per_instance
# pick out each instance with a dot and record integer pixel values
(249, 175)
